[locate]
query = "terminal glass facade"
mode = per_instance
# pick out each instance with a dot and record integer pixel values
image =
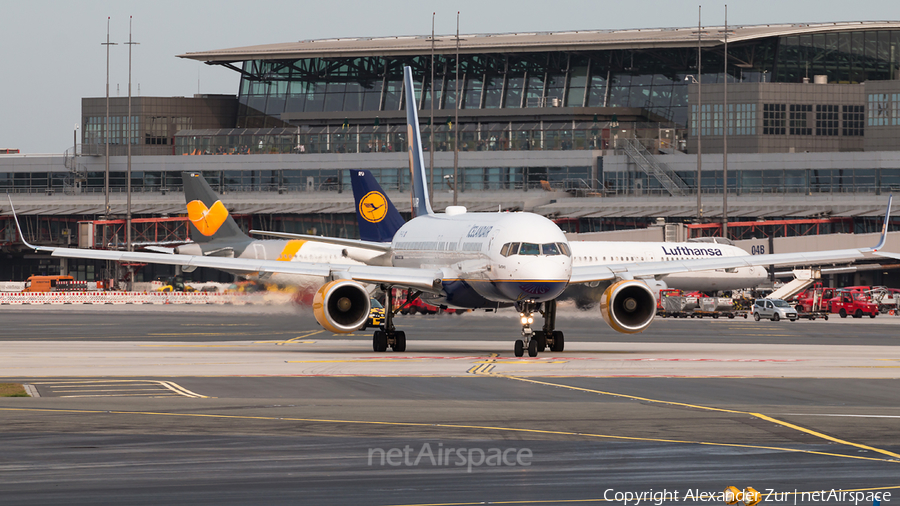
(653, 79)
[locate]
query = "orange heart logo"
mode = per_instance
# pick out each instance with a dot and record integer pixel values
(207, 220)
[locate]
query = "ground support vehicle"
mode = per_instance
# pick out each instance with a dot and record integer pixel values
(812, 304)
(672, 306)
(773, 309)
(855, 304)
(715, 307)
(376, 315)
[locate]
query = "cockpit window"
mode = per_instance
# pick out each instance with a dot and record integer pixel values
(550, 249)
(528, 248)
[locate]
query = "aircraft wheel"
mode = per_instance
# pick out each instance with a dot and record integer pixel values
(379, 341)
(541, 340)
(559, 342)
(532, 348)
(519, 348)
(399, 341)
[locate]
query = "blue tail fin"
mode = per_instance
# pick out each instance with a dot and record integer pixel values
(377, 217)
(421, 204)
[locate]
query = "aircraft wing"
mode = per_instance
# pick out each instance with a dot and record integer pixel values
(355, 243)
(588, 273)
(423, 279)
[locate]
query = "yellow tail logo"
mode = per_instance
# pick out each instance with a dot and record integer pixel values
(207, 220)
(373, 207)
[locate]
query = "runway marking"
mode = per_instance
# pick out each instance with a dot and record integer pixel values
(296, 340)
(193, 345)
(575, 501)
(349, 360)
(427, 425)
(166, 386)
(484, 367)
(710, 408)
(186, 334)
(217, 324)
(839, 415)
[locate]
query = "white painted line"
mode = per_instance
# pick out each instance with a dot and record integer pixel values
(836, 415)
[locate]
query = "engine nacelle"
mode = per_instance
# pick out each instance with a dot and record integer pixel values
(341, 306)
(628, 306)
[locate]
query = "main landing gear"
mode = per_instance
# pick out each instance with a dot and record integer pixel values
(388, 336)
(538, 340)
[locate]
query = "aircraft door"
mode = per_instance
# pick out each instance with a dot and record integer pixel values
(260, 251)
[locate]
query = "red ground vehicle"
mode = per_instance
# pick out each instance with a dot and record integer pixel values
(815, 299)
(853, 303)
(419, 307)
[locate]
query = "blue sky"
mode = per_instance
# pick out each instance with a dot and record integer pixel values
(52, 54)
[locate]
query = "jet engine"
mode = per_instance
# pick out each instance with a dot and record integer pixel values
(341, 306)
(628, 306)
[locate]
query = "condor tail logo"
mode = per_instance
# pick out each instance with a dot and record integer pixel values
(207, 220)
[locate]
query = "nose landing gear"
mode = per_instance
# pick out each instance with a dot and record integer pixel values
(538, 340)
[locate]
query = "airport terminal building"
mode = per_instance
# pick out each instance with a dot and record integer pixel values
(600, 130)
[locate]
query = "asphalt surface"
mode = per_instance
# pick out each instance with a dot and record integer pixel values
(112, 425)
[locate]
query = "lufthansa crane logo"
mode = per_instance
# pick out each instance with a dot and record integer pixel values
(373, 207)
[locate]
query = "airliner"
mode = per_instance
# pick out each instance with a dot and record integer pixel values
(480, 261)
(384, 226)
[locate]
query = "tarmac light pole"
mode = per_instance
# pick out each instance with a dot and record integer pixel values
(128, 238)
(725, 139)
(456, 123)
(699, 120)
(106, 142)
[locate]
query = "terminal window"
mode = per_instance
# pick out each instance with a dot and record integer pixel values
(741, 119)
(895, 109)
(774, 118)
(854, 120)
(826, 119)
(879, 109)
(799, 125)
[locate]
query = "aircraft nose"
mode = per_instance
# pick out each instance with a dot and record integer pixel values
(540, 279)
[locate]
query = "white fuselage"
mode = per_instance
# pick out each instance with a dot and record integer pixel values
(602, 253)
(477, 270)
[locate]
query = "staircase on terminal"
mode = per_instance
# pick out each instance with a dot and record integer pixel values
(648, 163)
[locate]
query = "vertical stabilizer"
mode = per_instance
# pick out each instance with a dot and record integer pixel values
(421, 204)
(377, 217)
(208, 216)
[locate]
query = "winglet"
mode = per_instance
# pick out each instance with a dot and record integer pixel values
(884, 226)
(421, 204)
(19, 229)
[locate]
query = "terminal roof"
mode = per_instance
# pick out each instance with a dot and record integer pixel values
(582, 40)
